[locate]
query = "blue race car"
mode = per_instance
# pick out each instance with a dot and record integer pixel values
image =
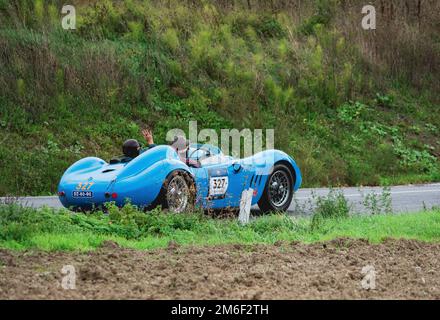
(159, 177)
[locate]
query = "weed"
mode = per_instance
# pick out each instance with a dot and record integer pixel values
(378, 203)
(332, 206)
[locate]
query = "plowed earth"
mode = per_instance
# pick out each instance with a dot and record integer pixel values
(339, 269)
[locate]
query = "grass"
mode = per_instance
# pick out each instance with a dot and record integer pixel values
(409, 179)
(352, 109)
(424, 226)
(48, 229)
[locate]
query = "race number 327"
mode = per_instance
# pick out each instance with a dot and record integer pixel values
(84, 186)
(218, 185)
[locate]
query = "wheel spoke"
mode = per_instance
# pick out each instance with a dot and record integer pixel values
(279, 188)
(177, 194)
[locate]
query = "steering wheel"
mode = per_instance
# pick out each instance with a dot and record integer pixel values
(208, 153)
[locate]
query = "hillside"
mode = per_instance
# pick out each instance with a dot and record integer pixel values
(353, 107)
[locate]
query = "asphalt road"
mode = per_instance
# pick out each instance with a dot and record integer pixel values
(409, 198)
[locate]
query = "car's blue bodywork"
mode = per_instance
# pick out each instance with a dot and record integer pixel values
(91, 182)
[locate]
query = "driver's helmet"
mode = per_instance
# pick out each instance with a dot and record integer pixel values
(179, 144)
(131, 148)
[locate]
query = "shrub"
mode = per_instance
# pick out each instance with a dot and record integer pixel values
(275, 223)
(269, 27)
(378, 204)
(332, 206)
(171, 39)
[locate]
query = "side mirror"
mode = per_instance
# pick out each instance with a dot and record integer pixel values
(237, 167)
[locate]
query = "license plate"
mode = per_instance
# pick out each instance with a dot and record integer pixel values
(218, 185)
(82, 194)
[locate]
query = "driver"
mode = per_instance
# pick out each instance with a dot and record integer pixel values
(131, 148)
(181, 145)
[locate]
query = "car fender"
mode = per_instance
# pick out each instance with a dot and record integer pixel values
(264, 162)
(143, 187)
(85, 165)
(81, 167)
(147, 159)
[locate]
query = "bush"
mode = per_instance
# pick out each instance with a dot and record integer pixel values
(332, 206)
(276, 223)
(269, 27)
(378, 204)
(20, 224)
(153, 222)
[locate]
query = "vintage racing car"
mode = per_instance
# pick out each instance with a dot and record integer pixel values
(159, 177)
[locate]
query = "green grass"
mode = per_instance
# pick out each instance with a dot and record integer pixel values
(424, 226)
(47, 229)
(346, 117)
(409, 179)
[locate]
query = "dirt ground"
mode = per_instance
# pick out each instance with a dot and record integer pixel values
(332, 270)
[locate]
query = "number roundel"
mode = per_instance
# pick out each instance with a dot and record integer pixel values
(218, 185)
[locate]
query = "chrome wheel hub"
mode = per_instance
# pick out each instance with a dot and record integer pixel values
(279, 188)
(177, 194)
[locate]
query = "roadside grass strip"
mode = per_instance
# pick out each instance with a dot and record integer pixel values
(51, 230)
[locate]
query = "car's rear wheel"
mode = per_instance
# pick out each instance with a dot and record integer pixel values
(278, 191)
(178, 192)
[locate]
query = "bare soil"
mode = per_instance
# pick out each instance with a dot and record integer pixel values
(332, 270)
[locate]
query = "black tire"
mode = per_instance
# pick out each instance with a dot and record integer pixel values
(183, 178)
(268, 201)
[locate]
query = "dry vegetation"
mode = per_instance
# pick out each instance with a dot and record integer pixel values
(352, 106)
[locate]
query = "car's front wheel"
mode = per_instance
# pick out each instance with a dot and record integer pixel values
(177, 194)
(278, 191)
